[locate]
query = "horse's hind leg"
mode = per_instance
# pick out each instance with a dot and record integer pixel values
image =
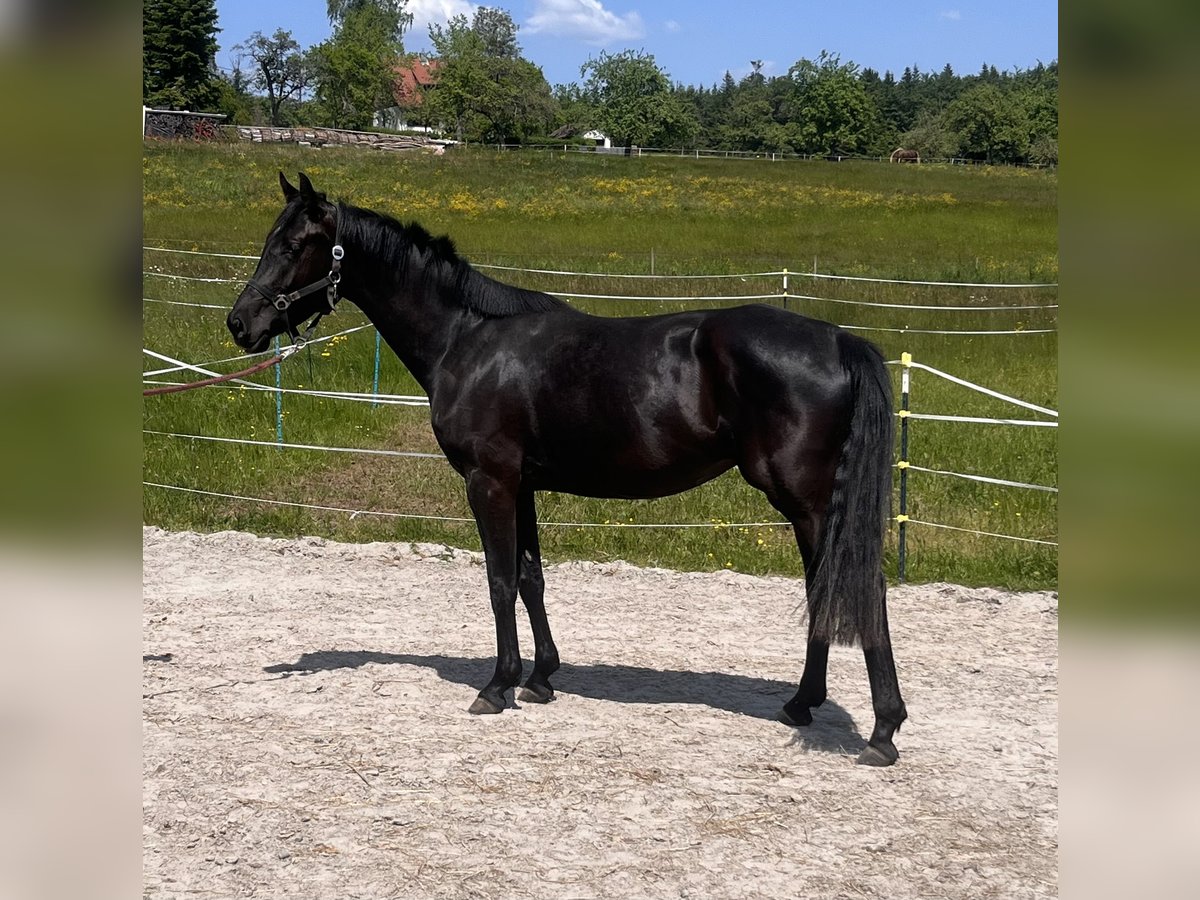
(890, 711)
(889, 708)
(812, 690)
(532, 587)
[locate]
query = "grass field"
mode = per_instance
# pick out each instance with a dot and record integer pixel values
(603, 214)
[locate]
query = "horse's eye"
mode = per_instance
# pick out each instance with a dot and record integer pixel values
(293, 248)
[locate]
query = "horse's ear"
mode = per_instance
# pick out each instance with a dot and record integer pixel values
(307, 191)
(311, 197)
(288, 191)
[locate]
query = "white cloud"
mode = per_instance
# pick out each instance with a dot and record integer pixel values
(672, 26)
(436, 12)
(585, 20)
(952, 14)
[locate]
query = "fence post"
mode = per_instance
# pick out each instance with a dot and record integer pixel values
(278, 397)
(785, 288)
(902, 465)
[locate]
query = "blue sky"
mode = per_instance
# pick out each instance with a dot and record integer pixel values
(696, 41)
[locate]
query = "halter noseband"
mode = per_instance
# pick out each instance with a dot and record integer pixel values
(329, 284)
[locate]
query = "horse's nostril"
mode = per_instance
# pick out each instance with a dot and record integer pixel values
(235, 326)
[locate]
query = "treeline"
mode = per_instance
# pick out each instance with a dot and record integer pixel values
(487, 91)
(827, 106)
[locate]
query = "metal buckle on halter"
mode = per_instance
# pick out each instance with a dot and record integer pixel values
(334, 277)
(282, 302)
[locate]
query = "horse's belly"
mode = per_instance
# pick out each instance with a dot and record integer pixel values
(629, 472)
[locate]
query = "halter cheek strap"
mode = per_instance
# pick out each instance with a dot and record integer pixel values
(329, 283)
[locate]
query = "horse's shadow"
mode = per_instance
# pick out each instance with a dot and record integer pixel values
(833, 729)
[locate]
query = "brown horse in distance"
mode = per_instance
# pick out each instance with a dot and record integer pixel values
(902, 155)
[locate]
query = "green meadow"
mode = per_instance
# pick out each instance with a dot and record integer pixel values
(611, 215)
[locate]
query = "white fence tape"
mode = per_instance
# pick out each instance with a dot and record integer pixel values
(928, 307)
(948, 331)
(983, 420)
(200, 253)
(967, 284)
(727, 297)
(181, 366)
(780, 273)
(418, 455)
(383, 399)
(983, 390)
(742, 275)
(736, 297)
(984, 478)
(723, 298)
(412, 454)
(194, 278)
(354, 513)
(388, 399)
(1011, 537)
(181, 303)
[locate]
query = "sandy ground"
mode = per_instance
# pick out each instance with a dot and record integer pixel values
(306, 735)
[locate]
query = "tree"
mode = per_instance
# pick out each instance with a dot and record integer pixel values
(497, 33)
(990, 125)
(931, 136)
(234, 100)
(830, 106)
(485, 89)
(749, 118)
(339, 9)
(634, 101)
(572, 107)
(278, 68)
(354, 70)
(179, 46)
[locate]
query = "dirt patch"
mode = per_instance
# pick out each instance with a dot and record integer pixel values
(305, 734)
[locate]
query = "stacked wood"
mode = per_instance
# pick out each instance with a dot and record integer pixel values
(320, 137)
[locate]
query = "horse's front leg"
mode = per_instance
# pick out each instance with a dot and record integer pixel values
(493, 501)
(532, 587)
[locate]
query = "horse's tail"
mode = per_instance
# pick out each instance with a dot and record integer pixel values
(847, 588)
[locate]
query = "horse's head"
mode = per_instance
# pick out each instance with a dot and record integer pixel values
(297, 255)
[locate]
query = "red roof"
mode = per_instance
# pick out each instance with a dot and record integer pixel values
(412, 78)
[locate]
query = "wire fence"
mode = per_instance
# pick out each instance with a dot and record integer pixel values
(785, 295)
(905, 413)
(761, 155)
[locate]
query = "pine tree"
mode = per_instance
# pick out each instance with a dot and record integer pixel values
(179, 46)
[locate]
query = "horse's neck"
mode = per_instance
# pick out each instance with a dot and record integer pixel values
(413, 314)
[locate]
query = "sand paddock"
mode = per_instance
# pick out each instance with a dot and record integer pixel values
(306, 735)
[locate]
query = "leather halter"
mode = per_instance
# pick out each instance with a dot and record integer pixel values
(329, 284)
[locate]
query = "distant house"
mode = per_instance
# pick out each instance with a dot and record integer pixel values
(415, 77)
(599, 138)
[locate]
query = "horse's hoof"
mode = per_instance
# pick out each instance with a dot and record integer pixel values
(873, 756)
(536, 693)
(797, 717)
(484, 707)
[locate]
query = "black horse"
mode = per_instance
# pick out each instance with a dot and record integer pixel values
(528, 394)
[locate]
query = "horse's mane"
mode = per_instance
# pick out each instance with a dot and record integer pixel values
(411, 246)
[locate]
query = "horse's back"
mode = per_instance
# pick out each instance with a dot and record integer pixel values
(769, 356)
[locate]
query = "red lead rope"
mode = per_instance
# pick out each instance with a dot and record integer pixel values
(176, 388)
